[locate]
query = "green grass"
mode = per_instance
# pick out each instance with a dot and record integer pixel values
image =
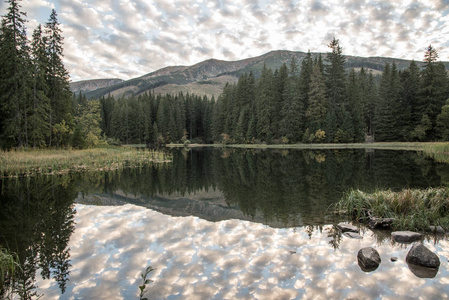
(438, 151)
(413, 209)
(16, 163)
(8, 269)
(386, 146)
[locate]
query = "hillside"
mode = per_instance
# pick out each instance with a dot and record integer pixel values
(210, 76)
(92, 85)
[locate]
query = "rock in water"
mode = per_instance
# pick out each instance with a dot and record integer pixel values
(405, 236)
(368, 259)
(423, 272)
(380, 223)
(436, 229)
(347, 227)
(421, 256)
(353, 235)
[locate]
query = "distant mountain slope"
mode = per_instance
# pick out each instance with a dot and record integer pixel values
(207, 77)
(92, 85)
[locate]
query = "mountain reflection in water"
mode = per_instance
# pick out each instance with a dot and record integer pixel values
(202, 222)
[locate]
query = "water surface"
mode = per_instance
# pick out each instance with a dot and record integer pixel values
(217, 225)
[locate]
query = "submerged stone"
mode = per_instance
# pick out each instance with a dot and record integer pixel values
(344, 227)
(405, 236)
(420, 255)
(353, 235)
(368, 259)
(437, 229)
(423, 272)
(380, 223)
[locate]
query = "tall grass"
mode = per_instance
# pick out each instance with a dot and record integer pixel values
(8, 269)
(15, 163)
(438, 151)
(412, 209)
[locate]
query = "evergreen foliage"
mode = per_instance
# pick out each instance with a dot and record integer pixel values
(318, 102)
(35, 100)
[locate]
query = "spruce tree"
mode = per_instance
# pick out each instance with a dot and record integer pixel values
(14, 77)
(58, 77)
(336, 87)
(433, 89)
(39, 119)
(317, 109)
(355, 107)
(264, 105)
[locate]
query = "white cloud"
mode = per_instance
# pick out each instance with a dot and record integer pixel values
(195, 258)
(140, 36)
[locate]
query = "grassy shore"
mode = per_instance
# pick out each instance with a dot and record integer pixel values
(416, 146)
(16, 163)
(412, 209)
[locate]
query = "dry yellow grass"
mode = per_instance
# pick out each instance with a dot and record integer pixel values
(45, 161)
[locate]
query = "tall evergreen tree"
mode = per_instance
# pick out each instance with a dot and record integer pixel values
(336, 86)
(292, 110)
(39, 119)
(317, 109)
(58, 78)
(433, 89)
(14, 76)
(355, 107)
(264, 105)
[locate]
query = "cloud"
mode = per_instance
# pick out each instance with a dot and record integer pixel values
(135, 37)
(231, 259)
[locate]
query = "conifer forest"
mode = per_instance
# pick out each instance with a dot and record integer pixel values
(312, 101)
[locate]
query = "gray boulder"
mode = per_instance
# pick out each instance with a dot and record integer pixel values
(405, 236)
(436, 230)
(368, 259)
(353, 235)
(344, 227)
(423, 272)
(421, 256)
(380, 223)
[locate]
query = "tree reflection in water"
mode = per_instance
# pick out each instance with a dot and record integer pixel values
(288, 188)
(37, 219)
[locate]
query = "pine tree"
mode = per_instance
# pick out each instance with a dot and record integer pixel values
(336, 86)
(264, 105)
(355, 107)
(292, 110)
(317, 109)
(408, 116)
(388, 106)
(433, 89)
(443, 122)
(58, 78)
(304, 79)
(39, 119)
(14, 77)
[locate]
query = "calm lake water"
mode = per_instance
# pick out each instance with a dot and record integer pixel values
(216, 224)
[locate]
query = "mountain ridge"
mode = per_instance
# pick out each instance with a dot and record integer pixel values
(207, 77)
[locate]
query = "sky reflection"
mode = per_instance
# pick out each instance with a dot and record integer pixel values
(234, 259)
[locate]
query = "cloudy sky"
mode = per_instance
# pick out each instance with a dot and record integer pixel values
(129, 38)
(233, 259)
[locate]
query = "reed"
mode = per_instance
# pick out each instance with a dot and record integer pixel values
(8, 269)
(19, 162)
(412, 209)
(438, 151)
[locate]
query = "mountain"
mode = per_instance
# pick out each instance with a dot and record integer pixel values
(86, 86)
(210, 76)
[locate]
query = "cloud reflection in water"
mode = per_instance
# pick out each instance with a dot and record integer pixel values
(197, 259)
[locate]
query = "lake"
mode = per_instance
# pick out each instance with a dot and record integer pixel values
(217, 224)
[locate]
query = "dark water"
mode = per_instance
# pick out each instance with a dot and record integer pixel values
(216, 224)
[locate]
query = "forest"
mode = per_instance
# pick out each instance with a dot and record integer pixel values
(314, 101)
